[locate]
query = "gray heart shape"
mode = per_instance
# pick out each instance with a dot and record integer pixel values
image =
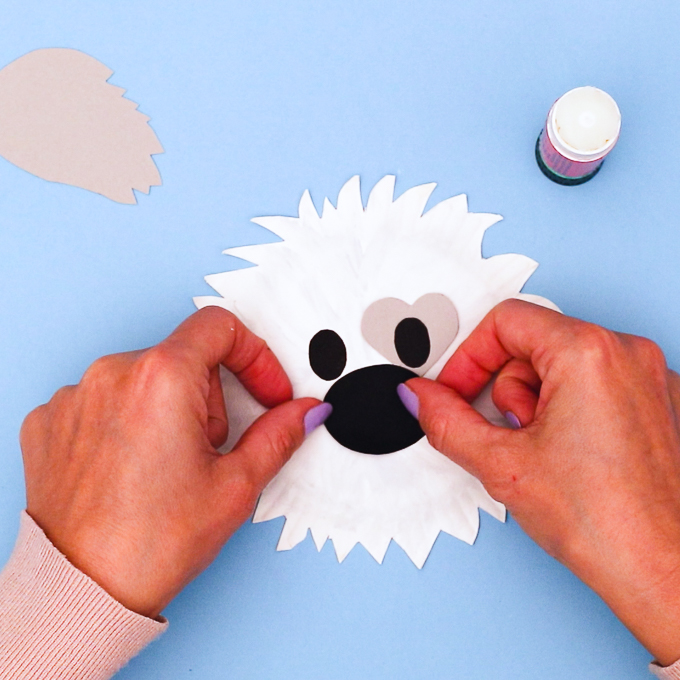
(436, 312)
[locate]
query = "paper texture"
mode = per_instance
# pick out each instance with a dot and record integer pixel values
(436, 313)
(331, 272)
(61, 120)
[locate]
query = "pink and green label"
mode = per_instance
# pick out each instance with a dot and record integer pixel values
(561, 165)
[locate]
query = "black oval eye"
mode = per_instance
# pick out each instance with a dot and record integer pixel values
(412, 342)
(327, 355)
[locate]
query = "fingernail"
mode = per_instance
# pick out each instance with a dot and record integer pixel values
(317, 416)
(409, 399)
(513, 420)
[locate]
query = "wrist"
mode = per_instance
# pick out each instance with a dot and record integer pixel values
(52, 611)
(644, 594)
(125, 575)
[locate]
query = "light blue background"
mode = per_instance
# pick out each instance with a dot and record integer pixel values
(255, 102)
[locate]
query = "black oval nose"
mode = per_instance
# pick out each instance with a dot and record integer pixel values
(368, 416)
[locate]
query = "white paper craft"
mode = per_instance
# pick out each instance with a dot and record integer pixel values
(330, 272)
(61, 120)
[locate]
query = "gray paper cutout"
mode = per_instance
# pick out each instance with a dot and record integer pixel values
(435, 310)
(62, 121)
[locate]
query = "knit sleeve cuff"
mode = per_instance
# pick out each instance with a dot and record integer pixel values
(667, 673)
(56, 622)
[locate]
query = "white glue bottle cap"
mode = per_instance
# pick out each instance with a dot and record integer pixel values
(584, 124)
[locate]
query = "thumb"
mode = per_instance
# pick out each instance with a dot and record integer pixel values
(270, 441)
(454, 428)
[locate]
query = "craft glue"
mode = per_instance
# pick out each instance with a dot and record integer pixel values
(583, 126)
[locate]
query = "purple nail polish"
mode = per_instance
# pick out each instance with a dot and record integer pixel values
(317, 416)
(513, 420)
(409, 399)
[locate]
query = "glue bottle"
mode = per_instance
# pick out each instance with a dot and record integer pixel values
(583, 126)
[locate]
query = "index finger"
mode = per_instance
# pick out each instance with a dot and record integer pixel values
(512, 329)
(213, 336)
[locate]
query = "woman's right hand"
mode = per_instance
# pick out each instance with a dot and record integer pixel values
(593, 474)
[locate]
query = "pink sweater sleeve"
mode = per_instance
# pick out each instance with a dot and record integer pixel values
(668, 673)
(56, 622)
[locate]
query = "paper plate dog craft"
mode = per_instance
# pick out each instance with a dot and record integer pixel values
(353, 303)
